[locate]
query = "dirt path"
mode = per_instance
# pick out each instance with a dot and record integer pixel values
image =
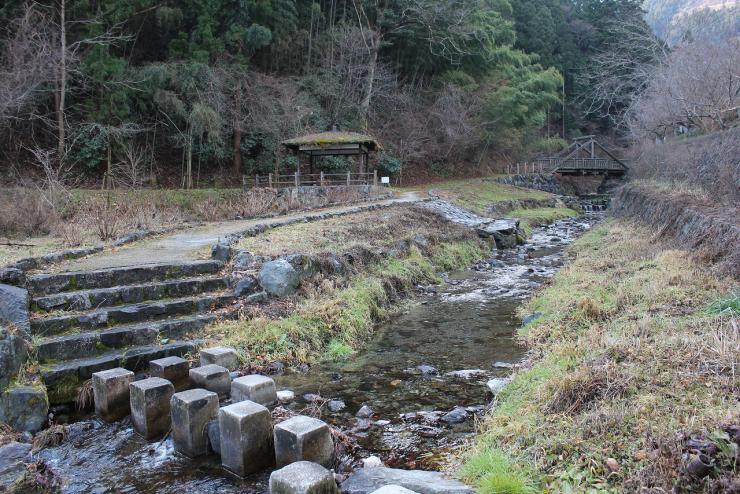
(195, 242)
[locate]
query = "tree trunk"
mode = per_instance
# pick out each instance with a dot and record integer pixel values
(62, 80)
(373, 46)
(236, 164)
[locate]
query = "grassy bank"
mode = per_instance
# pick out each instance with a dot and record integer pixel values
(478, 194)
(634, 353)
(335, 316)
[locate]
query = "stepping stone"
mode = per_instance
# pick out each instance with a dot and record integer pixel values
(393, 489)
(220, 355)
(303, 438)
(150, 406)
(245, 443)
(174, 369)
(191, 411)
(303, 477)
(256, 388)
(111, 393)
(211, 377)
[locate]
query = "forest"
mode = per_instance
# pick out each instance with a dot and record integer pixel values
(196, 93)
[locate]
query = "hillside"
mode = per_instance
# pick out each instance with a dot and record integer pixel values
(672, 20)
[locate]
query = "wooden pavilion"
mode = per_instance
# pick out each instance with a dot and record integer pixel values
(332, 143)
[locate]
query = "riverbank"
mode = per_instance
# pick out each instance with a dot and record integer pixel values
(631, 381)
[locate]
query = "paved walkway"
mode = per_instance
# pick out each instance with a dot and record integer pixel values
(195, 243)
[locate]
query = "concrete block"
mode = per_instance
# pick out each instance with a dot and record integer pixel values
(393, 489)
(191, 411)
(303, 477)
(303, 438)
(211, 377)
(111, 393)
(256, 388)
(174, 369)
(245, 437)
(220, 355)
(150, 406)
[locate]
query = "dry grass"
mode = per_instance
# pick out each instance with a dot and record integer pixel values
(478, 194)
(371, 230)
(629, 361)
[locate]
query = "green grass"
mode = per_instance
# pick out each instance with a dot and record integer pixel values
(476, 194)
(531, 218)
(636, 346)
(334, 322)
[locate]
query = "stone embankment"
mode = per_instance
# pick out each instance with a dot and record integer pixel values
(708, 230)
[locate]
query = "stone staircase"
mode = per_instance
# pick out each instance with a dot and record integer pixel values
(88, 321)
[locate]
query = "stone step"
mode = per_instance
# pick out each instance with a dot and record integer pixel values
(131, 294)
(124, 314)
(91, 343)
(49, 283)
(63, 379)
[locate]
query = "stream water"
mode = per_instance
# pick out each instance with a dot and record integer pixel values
(408, 375)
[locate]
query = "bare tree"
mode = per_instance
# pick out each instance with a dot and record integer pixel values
(616, 76)
(697, 87)
(27, 60)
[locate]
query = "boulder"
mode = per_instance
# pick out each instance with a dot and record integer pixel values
(285, 396)
(304, 265)
(246, 286)
(455, 416)
(365, 412)
(336, 405)
(244, 260)
(12, 276)
(531, 318)
(497, 384)
(13, 354)
(24, 408)
(221, 251)
(13, 459)
(367, 480)
(279, 278)
(505, 232)
(14, 305)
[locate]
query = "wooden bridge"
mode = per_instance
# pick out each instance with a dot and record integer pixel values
(580, 158)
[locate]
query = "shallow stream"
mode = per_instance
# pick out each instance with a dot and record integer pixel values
(408, 375)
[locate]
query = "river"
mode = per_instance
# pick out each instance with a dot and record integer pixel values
(408, 375)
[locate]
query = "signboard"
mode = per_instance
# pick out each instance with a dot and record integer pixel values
(385, 180)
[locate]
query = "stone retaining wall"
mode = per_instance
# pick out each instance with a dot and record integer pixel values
(703, 229)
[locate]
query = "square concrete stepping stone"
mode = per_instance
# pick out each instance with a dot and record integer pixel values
(211, 377)
(191, 411)
(256, 388)
(150, 406)
(393, 489)
(303, 438)
(174, 369)
(245, 431)
(303, 477)
(220, 355)
(111, 393)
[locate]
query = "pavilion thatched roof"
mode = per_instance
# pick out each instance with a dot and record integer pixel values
(332, 138)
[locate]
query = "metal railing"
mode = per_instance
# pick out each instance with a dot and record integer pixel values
(309, 179)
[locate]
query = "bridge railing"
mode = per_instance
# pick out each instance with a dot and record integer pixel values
(551, 165)
(309, 179)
